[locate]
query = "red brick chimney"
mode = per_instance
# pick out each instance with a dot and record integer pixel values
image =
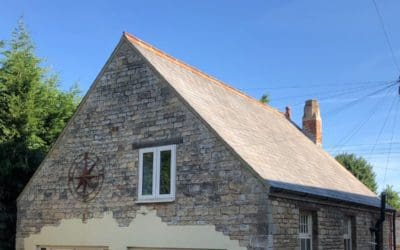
(312, 124)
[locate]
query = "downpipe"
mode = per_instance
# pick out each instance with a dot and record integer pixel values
(394, 230)
(378, 228)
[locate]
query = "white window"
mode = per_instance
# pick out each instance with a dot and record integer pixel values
(157, 174)
(305, 231)
(347, 233)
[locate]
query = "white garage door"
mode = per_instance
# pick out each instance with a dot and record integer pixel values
(71, 248)
(161, 248)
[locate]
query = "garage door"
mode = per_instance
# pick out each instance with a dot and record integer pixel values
(162, 248)
(72, 248)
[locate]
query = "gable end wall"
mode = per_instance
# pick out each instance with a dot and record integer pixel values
(128, 105)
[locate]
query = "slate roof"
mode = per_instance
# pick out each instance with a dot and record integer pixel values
(270, 144)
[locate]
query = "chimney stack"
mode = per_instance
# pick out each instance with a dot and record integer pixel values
(312, 124)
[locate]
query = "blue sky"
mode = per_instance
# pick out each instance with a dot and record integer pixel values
(333, 51)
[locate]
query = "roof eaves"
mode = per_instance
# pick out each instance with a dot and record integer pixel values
(376, 204)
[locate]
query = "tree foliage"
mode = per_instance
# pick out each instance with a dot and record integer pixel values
(33, 111)
(360, 169)
(265, 99)
(392, 197)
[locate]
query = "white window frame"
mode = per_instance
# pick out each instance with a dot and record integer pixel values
(347, 236)
(308, 235)
(156, 196)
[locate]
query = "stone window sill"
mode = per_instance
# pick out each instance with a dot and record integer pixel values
(171, 199)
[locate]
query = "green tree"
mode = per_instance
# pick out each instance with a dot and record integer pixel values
(33, 111)
(392, 197)
(265, 98)
(360, 169)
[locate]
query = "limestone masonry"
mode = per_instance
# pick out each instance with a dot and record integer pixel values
(131, 106)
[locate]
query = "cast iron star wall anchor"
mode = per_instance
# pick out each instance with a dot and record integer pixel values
(85, 177)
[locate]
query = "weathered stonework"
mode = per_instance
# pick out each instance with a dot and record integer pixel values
(328, 224)
(128, 105)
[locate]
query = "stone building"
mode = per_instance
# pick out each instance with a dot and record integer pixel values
(162, 156)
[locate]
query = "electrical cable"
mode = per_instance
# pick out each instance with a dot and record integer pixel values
(329, 94)
(389, 44)
(326, 85)
(384, 124)
(357, 128)
(330, 97)
(391, 139)
(352, 103)
(370, 144)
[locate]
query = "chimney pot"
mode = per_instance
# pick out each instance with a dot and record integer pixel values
(288, 113)
(312, 123)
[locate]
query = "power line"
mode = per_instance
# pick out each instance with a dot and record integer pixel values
(327, 95)
(383, 149)
(384, 125)
(357, 128)
(382, 153)
(386, 36)
(325, 85)
(339, 94)
(391, 139)
(352, 103)
(364, 149)
(370, 144)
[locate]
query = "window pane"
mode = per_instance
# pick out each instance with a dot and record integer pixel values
(308, 244)
(346, 225)
(147, 184)
(346, 244)
(165, 172)
(305, 231)
(304, 224)
(303, 244)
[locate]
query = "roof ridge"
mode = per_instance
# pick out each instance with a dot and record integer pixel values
(196, 71)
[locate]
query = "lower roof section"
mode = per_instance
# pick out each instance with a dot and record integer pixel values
(326, 194)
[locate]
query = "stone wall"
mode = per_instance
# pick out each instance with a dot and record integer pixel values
(129, 105)
(328, 219)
